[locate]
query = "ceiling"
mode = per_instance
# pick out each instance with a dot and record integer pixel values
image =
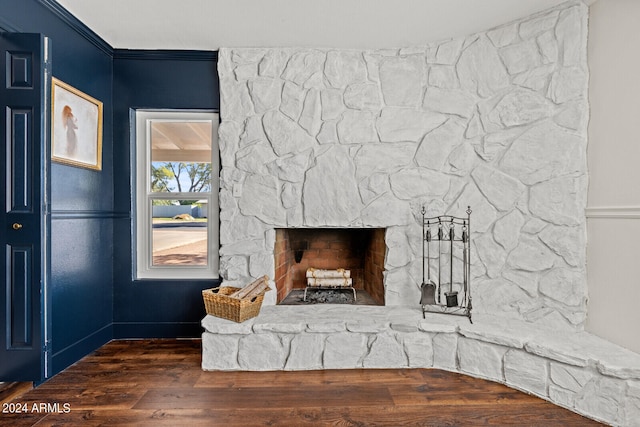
(357, 24)
(184, 141)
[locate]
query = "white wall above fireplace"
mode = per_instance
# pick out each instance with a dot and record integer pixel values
(364, 138)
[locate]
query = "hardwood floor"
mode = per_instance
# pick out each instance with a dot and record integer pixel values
(9, 391)
(159, 382)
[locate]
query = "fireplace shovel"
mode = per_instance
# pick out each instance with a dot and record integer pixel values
(428, 293)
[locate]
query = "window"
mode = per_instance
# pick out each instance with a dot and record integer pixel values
(176, 195)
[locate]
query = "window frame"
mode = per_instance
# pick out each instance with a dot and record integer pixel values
(142, 232)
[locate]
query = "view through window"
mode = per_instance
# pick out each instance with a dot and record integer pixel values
(177, 188)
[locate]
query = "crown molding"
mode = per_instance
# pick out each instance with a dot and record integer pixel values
(87, 33)
(77, 25)
(158, 55)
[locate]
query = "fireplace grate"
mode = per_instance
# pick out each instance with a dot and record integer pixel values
(446, 266)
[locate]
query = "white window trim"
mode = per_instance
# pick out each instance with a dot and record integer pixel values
(141, 221)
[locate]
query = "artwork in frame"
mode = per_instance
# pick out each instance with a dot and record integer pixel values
(76, 127)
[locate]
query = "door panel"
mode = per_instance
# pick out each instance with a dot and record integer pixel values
(19, 196)
(21, 307)
(24, 84)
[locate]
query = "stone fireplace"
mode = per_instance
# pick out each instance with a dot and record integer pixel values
(361, 251)
(318, 140)
(326, 138)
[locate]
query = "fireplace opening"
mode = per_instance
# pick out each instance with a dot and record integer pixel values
(361, 251)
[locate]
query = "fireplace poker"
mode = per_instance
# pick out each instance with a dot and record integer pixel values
(440, 238)
(451, 296)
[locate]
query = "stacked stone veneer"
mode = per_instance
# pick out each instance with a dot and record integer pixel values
(575, 370)
(353, 138)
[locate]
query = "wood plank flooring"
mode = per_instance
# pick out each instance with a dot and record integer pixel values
(159, 382)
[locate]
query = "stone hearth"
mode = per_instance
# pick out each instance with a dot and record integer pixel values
(575, 370)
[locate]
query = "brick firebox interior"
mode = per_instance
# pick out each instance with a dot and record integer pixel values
(360, 250)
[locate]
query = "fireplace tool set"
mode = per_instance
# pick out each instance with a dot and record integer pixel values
(442, 291)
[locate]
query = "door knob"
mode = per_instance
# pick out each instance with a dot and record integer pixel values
(17, 226)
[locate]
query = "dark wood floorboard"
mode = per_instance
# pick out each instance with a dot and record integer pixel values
(159, 382)
(9, 391)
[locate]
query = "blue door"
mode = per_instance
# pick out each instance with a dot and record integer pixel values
(24, 220)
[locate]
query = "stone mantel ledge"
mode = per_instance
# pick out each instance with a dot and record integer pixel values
(572, 369)
(576, 348)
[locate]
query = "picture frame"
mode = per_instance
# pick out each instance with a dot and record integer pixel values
(76, 127)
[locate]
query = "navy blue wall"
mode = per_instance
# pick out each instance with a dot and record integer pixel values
(154, 80)
(81, 285)
(94, 297)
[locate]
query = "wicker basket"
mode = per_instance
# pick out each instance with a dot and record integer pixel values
(219, 304)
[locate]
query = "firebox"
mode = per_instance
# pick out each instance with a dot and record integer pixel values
(360, 250)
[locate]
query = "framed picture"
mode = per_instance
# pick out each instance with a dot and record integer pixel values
(76, 127)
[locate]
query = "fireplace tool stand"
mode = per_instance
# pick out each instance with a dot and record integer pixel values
(442, 291)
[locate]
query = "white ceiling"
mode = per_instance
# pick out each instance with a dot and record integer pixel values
(358, 24)
(188, 141)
